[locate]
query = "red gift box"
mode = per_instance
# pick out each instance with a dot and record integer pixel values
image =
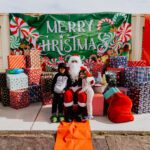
(45, 77)
(98, 105)
(140, 63)
(97, 67)
(47, 98)
(34, 76)
(16, 61)
(33, 59)
(19, 98)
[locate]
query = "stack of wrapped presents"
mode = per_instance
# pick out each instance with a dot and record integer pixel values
(134, 79)
(19, 89)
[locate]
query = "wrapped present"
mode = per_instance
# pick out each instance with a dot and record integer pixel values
(119, 75)
(111, 78)
(33, 59)
(5, 96)
(19, 98)
(3, 82)
(137, 74)
(46, 98)
(97, 67)
(97, 88)
(46, 81)
(139, 93)
(35, 94)
(118, 61)
(140, 63)
(17, 81)
(34, 76)
(98, 105)
(16, 61)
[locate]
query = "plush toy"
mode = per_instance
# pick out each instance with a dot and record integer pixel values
(120, 105)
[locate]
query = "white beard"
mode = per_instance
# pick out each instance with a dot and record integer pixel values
(74, 70)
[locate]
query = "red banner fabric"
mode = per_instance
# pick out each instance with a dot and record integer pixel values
(146, 41)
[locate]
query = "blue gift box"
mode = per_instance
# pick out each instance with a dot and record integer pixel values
(118, 61)
(140, 94)
(35, 94)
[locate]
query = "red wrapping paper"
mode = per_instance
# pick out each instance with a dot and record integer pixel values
(34, 76)
(19, 98)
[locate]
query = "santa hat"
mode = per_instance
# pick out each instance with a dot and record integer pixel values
(90, 79)
(75, 57)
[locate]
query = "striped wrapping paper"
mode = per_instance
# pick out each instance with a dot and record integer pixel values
(16, 61)
(46, 98)
(33, 59)
(35, 94)
(140, 63)
(34, 76)
(118, 61)
(139, 92)
(17, 81)
(19, 98)
(5, 96)
(46, 81)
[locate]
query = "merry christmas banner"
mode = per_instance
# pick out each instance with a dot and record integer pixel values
(60, 35)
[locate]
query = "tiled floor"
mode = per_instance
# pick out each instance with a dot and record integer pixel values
(36, 117)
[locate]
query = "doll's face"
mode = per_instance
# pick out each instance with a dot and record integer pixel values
(62, 70)
(82, 75)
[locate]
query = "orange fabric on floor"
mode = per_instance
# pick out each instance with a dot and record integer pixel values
(74, 136)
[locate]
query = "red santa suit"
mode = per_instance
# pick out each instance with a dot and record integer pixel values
(75, 65)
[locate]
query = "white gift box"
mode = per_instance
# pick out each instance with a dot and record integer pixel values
(17, 81)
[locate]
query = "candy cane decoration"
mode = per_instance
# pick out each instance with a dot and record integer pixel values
(99, 26)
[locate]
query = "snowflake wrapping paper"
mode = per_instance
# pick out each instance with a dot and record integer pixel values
(139, 74)
(118, 61)
(19, 98)
(140, 95)
(17, 81)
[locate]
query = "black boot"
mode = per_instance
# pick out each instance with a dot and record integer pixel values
(80, 114)
(68, 114)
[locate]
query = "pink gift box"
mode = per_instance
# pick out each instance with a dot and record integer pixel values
(98, 105)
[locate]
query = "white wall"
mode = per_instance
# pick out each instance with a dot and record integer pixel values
(137, 32)
(4, 40)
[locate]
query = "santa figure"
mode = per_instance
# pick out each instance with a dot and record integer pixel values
(75, 92)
